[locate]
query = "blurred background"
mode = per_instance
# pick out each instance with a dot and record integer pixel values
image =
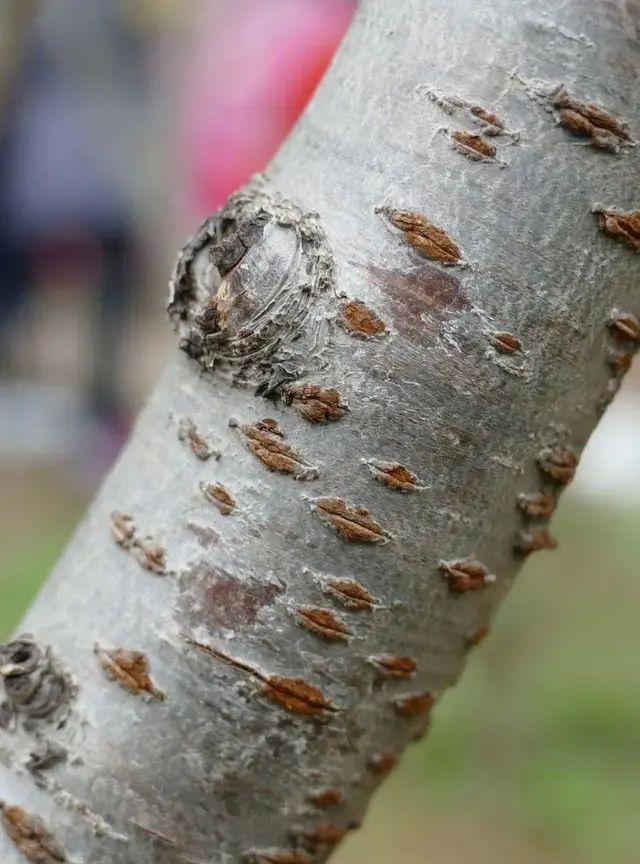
(122, 124)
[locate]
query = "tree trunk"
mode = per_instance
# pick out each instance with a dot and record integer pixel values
(421, 310)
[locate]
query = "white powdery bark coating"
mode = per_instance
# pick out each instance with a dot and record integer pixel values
(488, 374)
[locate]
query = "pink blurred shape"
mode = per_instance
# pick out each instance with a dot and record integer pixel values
(254, 67)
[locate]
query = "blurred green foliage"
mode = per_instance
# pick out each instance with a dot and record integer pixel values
(543, 729)
(23, 570)
(540, 741)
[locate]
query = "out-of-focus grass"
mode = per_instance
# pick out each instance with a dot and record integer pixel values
(539, 744)
(23, 570)
(535, 756)
(38, 510)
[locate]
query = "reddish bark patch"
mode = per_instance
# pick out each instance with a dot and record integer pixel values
(466, 574)
(210, 597)
(30, 837)
(395, 667)
(349, 593)
(130, 669)
(205, 536)
(394, 475)
(420, 291)
(315, 404)
(358, 320)
(353, 523)
(537, 505)
(219, 495)
(558, 463)
(620, 225)
(296, 696)
(473, 146)
(327, 798)
(323, 623)
(425, 237)
(534, 541)
(415, 705)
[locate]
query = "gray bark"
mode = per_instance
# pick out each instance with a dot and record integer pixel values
(213, 761)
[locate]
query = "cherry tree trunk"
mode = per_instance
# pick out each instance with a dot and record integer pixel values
(391, 349)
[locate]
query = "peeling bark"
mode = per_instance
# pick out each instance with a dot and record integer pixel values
(484, 379)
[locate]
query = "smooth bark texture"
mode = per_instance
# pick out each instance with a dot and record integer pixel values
(280, 692)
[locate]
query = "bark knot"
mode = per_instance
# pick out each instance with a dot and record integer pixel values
(249, 292)
(35, 684)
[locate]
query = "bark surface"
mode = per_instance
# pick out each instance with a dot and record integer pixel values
(396, 345)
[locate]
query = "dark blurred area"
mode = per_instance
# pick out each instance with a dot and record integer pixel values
(121, 127)
(79, 114)
(122, 124)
